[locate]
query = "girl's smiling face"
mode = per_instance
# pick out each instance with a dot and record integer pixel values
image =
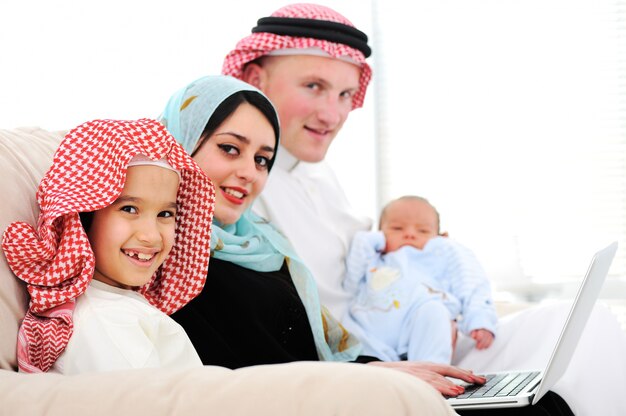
(132, 237)
(236, 157)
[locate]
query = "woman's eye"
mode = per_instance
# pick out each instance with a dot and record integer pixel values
(129, 208)
(262, 161)
(229, 149)
(313, 86)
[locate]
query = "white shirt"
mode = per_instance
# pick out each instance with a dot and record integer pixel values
(306, 203)
(594, 381)
(117, 329)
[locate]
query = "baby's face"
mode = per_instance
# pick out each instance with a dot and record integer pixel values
(408, 222)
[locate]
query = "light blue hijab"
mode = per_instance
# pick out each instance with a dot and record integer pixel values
(252, 242)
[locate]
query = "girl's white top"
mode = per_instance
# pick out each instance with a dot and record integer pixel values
(116, 329)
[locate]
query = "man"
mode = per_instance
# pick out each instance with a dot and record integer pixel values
(314, 77)
(310, 61)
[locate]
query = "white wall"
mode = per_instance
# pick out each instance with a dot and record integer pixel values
(514, 127)
(63, 62)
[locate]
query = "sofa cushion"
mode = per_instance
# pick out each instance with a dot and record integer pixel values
(25, 155)
(299, 388)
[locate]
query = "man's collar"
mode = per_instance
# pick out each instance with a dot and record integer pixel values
(286, 160)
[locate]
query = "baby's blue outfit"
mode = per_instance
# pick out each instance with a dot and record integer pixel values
(404, 301)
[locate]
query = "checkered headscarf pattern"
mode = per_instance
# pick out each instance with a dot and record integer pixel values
(55, 259)
(259, 44)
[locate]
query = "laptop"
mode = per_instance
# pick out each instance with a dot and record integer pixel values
(524, 388)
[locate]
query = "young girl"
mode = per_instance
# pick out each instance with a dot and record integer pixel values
(260, 305)
(122, 240)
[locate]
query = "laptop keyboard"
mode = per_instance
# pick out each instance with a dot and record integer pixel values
(499, 385)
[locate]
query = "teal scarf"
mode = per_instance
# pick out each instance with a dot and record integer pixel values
(252, 242)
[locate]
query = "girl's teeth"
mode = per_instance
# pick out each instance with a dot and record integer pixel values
(140, 256)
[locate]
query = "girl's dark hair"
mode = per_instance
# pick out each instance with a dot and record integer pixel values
(85, 219)
(229, 105)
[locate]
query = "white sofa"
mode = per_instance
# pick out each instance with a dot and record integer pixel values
(305, 388)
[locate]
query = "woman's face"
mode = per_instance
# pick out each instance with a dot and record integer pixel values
(236, 158)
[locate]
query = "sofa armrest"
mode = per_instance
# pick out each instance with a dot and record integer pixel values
(302, 388)
(25, 155)
(504, 308)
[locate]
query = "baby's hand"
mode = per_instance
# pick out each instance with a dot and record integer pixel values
(483, 338)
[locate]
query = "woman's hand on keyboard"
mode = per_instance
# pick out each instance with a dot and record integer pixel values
(435, 374)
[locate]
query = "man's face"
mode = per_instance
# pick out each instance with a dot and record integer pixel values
(313, 96)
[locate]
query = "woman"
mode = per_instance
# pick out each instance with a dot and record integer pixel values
(260, 304)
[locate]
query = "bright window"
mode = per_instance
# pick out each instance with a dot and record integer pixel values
(510, 116)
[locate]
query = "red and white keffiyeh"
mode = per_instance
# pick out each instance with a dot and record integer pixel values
(259, 44)
(55, 259)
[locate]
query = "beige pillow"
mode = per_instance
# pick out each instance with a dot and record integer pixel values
(299, 388)
(25, 156)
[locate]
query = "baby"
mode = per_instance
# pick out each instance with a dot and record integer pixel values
(411, 284)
